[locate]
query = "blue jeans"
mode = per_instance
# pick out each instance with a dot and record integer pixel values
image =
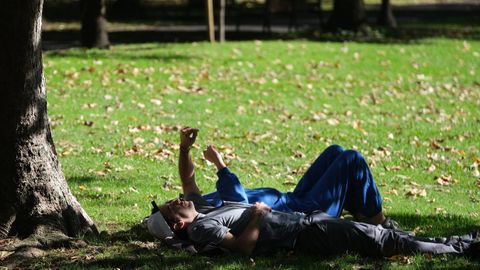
(337, 179)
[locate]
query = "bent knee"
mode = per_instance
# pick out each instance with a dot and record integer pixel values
(334, 149)
(351, 154)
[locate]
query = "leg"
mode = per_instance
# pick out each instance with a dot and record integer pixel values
(317, 169)
(334, 236)
(347, 182)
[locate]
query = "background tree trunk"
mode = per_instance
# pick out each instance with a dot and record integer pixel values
(34, 197)
(348, 15)
(221, 20)
(385, 17)
(94, 24)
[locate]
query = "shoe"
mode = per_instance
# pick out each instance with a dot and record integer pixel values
(391, 224)
(473, 251)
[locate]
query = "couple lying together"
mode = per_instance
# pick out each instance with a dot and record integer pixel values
(261, 220)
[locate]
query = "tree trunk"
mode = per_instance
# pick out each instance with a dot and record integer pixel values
(221, 21)
(94, 24)
(34, 197)
(348, 15)
(386, 17)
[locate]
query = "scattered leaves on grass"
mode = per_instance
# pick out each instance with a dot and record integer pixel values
(439, 210)
(5, 254)
(393, 191)
(88, 123)
(445, 180)
(414, 190)
(401, 259)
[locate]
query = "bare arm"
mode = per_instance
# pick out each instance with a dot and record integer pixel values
(246, 241)
(186, 168)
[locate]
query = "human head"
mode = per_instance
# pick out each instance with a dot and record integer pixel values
(178, 213)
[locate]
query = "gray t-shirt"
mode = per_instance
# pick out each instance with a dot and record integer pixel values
(278, 230)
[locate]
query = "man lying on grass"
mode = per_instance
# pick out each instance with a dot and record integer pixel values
(256, 229)
(338, 179)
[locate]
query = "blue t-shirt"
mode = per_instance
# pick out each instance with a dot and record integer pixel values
(230, 189)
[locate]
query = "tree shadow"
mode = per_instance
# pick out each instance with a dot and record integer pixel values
(78, 180)
(142, 53)
(136, 248)
(437, 225)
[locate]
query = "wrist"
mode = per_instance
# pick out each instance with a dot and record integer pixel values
(220, 165)
(185, 148)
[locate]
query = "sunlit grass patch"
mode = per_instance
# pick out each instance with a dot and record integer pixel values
(413, 110)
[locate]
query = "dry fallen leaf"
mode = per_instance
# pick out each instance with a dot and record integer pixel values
(414, 192)
(445, 180)
(332, 122)
(401, 259)
(393, 191)
(4, 254)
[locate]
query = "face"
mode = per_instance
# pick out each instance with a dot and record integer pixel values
(178, 210)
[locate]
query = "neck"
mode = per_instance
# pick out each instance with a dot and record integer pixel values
(191, 217)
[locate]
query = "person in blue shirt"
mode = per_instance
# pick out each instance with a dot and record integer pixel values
(338, 179)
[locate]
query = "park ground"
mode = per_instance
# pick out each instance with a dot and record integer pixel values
(411, 106)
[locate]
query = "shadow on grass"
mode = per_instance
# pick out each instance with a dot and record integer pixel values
(135, 248)
(437, 225)
(142, 53)
(78, 180)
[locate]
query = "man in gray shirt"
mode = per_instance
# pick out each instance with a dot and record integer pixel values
(256, 229)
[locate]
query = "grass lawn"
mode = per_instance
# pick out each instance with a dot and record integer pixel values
(412, 109)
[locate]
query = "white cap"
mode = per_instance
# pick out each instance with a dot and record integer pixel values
(158, 226)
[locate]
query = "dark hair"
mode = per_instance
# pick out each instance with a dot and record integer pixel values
(182, 234)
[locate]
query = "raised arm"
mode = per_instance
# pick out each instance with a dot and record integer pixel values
(228, 186)
(246, 241)
(186, 168)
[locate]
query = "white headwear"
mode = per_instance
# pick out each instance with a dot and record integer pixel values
(158, 226)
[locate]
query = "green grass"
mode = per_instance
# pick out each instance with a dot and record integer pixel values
(273, 106)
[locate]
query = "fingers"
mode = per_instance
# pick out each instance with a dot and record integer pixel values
(211, 148)
(188, 136)
(262, 205)
(194, 133)
(188, 131)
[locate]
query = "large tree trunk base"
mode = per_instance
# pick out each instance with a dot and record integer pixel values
(16, 251)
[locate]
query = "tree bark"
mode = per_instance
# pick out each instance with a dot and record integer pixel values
(386, 17)
(94, 24)
(34, 197)
(347, 15)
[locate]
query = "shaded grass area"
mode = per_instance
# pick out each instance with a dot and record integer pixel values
(414, 25)
(271, 107)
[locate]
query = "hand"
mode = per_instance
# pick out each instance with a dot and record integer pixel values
(260, 209)
(211, 154)
(187, 137)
